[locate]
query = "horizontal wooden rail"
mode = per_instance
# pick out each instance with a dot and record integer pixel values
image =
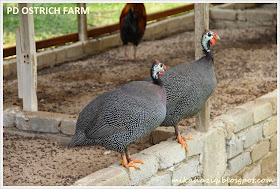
(94, 32)
(169, 12)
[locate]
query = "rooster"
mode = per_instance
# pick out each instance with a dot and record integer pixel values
(132, 25)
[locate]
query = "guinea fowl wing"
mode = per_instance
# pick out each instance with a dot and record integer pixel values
(125, 107)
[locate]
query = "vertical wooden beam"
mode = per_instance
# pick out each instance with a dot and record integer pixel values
(201, 17)
(19, 64)
(28, 58)
(82, 23)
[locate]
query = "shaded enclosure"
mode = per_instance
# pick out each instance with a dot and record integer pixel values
(245, 65)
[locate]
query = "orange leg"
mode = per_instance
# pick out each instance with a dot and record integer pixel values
(182, 139)
(128, 162)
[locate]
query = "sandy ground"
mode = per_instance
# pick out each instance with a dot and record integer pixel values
(245, 66)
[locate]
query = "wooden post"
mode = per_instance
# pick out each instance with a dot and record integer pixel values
(82, 24)
(28, 58)
(19, 64)
(201, 17)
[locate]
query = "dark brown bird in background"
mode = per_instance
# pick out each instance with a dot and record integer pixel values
(132, 25)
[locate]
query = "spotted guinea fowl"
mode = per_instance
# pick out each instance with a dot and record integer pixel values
(132, 25)
(188, 86)
(119, 117)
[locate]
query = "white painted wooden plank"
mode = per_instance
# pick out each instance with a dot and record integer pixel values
(82, 23)
(19, 64)
(201, 14)
(29, 59)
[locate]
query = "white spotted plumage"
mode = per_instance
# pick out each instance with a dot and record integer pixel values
(118, 117)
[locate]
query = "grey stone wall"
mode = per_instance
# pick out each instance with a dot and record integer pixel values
(240, 145)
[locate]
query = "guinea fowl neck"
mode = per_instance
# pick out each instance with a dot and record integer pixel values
(206, 49)
(205, 46)
(157, 81)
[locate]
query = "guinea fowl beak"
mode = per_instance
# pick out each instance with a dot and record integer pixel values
(164, 67)
(216, 37)
(213, 40)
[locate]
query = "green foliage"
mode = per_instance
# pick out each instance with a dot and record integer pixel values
(50, 25)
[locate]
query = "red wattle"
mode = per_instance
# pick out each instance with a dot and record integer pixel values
(213, 41)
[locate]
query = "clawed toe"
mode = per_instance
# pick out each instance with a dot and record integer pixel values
(125, 163)
(182, 139)
(137, 161)
(187, 138)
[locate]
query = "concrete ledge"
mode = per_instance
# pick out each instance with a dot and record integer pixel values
(111, 176)
(214, 157)
(273, 143)
(39, 121)
(272, 98)
(68, 126)
(244, 141)
(222, 14)
(9, 116)
(59, 138)
(240, 119)
(252, 171)
(236, 6)
(169, 26)
(269, 162)
(270, 127)
(261, 110)
(260, 150)
(159, 180)
(147, 170)
(182, 171)
(234, 146)
(167, 153)
(238, 163)
(255, 16)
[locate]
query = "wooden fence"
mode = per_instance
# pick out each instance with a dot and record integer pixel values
(95, 32)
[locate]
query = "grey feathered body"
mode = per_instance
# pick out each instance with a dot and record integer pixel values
(187, 87)
(118, 117)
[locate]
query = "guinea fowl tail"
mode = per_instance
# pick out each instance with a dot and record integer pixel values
(78, 139)
(72, 142)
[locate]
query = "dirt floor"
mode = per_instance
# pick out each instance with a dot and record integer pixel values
(245, 65)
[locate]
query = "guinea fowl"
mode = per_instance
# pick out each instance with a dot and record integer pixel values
(188, 86)
(132, 25)
(121, 116)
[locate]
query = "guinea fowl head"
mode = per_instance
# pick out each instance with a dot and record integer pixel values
(157, 70)
(208, 38)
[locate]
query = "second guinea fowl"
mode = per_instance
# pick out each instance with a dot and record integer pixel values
(188, 86)
(119, 117)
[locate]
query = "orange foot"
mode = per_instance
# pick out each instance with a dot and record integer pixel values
(130, 164)
(182, 139)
